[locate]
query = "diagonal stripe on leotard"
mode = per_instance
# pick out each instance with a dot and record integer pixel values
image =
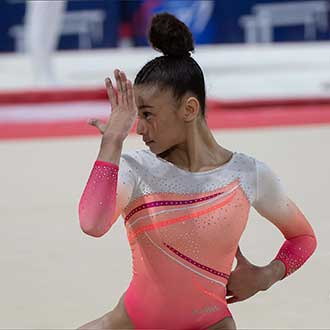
(187, 208)
(182, 264)
(197, 264)
(134, 233)
(171, 203)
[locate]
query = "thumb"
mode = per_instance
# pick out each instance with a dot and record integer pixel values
(239, 256)
(97, 123)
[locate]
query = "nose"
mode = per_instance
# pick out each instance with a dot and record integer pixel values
(140, 128)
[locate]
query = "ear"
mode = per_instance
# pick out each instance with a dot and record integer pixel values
(191, 109)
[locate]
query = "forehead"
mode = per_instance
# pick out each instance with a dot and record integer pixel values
(152, 94)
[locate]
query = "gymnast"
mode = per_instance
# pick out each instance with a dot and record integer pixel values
(185, 199)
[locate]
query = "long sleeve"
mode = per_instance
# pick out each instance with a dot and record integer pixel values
(106, 194)
(273, 203)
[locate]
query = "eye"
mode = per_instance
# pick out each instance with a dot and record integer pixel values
(147, 114)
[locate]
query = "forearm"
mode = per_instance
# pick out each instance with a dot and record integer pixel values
(295, 252)
(98, 201)
(292, 255)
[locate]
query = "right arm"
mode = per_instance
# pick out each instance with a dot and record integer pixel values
(100, 204)
(110, 184)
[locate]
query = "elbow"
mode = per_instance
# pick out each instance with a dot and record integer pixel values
(92, 231)
(311, 240)
(95, 224)
(90, 223)
(308, 244)
(315, 243)
(92, 227)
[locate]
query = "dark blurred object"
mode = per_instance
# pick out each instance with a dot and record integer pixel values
(311, 15)
(97, 24)
(250, 21)
(199, 15)
(86, 24)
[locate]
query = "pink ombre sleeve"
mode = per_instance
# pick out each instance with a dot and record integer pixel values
(273, 203)
(106, 194)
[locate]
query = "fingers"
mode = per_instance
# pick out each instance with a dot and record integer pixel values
(130, 94)
(119, 86)
(123, 80)
(125, 89)
(111, 92)
(232, 300)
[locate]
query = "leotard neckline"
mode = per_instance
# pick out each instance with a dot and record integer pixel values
(221, 167)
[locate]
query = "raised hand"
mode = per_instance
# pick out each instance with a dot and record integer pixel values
(123, 108)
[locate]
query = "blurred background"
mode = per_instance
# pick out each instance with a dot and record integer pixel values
(267, 72)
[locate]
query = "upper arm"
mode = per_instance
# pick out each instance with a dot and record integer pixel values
(273, 204)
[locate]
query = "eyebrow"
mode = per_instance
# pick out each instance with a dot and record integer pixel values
(144, 106)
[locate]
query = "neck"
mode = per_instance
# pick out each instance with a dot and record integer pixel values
(199, 151)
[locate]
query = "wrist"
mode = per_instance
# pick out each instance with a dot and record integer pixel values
(111, 149)
(112, 139)
(274, 272)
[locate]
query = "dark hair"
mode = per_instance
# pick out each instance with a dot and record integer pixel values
(176, 69)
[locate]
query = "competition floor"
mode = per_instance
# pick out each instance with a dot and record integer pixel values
(55, 277)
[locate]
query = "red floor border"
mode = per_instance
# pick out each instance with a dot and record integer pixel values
(95, 94)
(220, 114)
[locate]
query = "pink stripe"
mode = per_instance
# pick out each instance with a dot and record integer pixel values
(190, 216)
(169, 203)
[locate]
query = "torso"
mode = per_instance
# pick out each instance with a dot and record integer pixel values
(183, 229)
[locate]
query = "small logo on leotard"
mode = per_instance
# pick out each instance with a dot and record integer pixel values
(207, 309)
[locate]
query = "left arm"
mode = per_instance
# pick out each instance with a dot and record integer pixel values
(272, 203)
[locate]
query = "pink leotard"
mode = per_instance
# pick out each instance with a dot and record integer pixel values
(184, 229)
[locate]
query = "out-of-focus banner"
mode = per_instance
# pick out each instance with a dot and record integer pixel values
(98, 24)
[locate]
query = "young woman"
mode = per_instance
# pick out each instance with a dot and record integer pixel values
(185, 200)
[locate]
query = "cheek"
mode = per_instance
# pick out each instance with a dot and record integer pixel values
(167, 129)
(170, 124)
(176, 128)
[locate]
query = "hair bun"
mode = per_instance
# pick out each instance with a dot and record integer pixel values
(170, 36)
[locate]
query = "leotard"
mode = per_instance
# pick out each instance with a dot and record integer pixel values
(184, 229)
